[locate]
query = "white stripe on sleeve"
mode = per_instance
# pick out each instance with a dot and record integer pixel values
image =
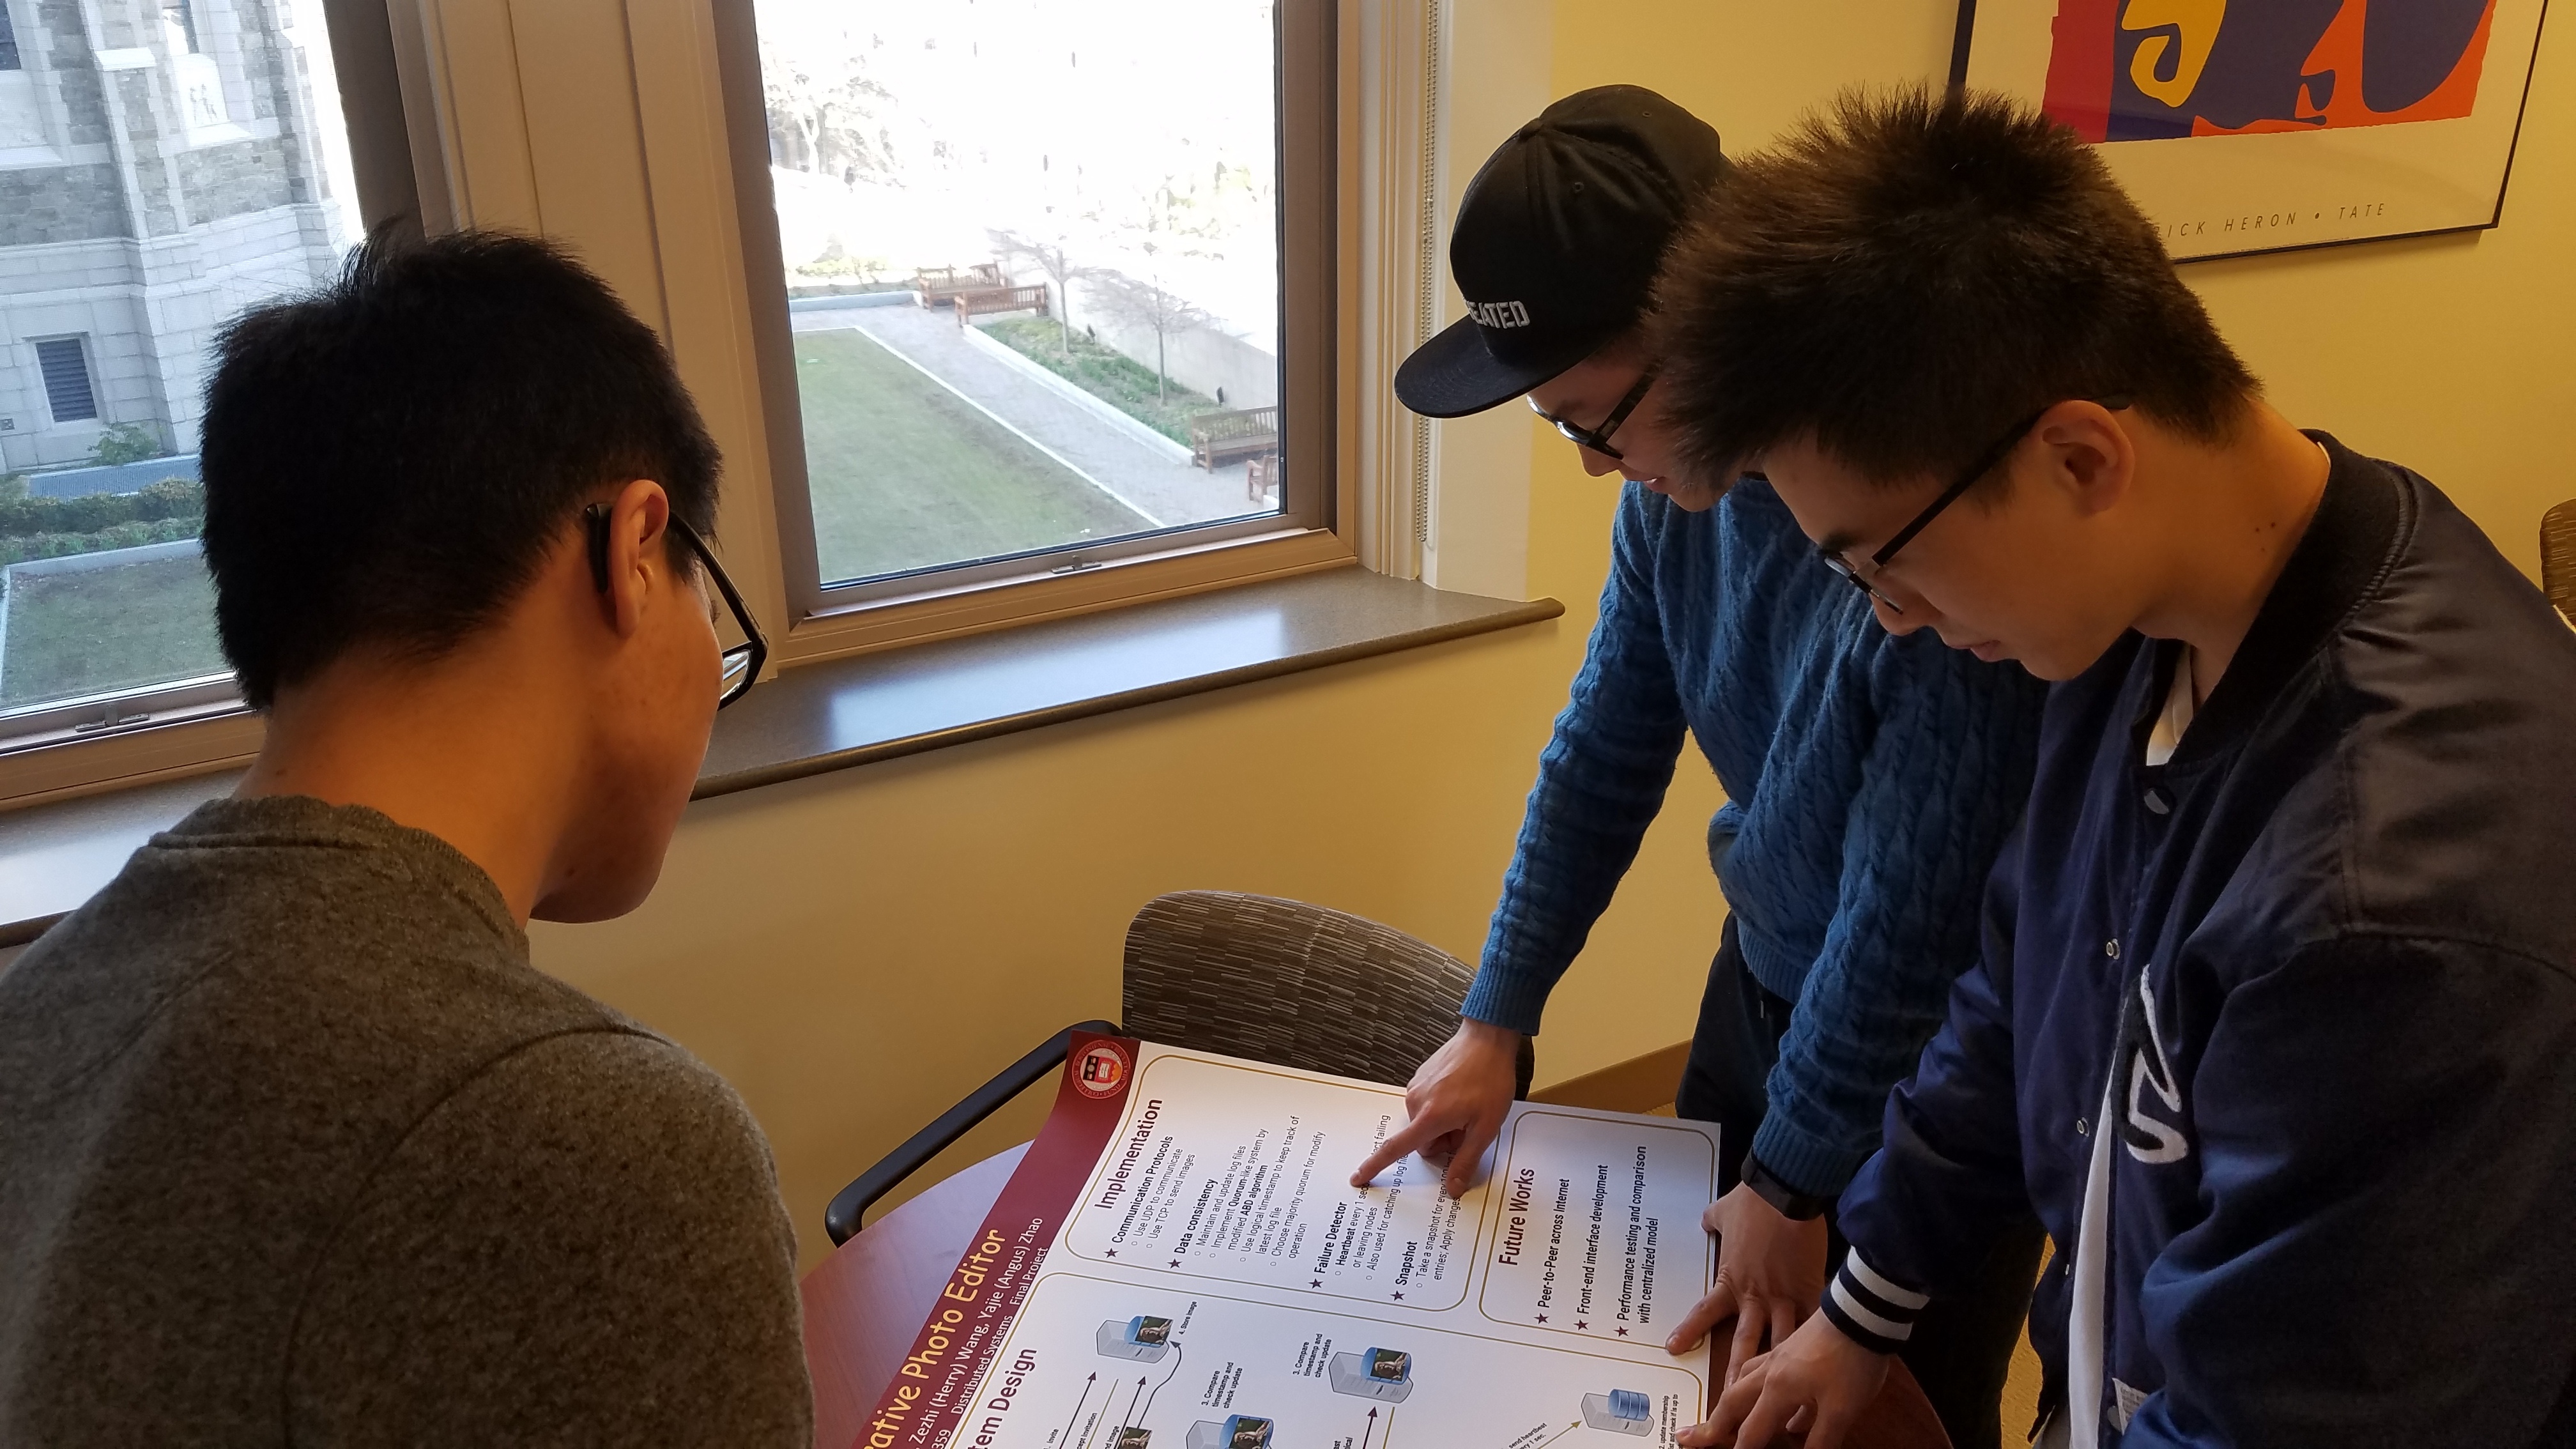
(1863, 1274)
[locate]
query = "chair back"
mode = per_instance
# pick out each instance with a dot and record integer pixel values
(1292, 984)
(2558, 556)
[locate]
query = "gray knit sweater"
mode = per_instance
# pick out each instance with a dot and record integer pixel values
(297, 1148)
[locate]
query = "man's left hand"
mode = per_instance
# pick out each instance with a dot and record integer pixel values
(1770, 1273)
(1817, 1384)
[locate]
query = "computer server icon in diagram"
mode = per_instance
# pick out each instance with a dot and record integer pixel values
(1142, 1339)
(1383, 1374)
(1238, 1431)
(1619, 1411)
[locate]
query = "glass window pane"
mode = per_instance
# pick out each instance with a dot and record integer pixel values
(113, 282)
(1032, 266)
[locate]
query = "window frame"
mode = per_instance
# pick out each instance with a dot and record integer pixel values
(1310, 530)
(455, 117)
(130, 737)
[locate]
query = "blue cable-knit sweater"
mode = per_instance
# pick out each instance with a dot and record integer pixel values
(1870, 780)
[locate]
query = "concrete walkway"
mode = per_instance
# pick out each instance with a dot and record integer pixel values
(1136, 473)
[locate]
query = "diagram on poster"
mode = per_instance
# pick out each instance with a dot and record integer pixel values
(1237, 1371)
(1181, 1263)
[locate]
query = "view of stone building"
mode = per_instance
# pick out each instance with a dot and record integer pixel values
(163, 165)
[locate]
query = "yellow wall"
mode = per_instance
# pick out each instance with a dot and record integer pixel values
(2455, 355)
(857, 951)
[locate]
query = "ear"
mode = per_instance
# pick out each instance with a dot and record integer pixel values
(637, 562)
(2090, 457)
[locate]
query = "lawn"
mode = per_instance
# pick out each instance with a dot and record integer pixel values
(1105, 373)
(906, 474)
(122, 627)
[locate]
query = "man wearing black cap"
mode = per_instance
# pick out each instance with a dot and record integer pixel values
(1870, 778)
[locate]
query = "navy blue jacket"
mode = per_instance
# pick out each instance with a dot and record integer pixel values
(1870, 780)
(2328, 949)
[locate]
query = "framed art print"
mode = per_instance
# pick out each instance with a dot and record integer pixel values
(2266, 124)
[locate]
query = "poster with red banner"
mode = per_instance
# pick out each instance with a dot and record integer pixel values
(1179, 1262)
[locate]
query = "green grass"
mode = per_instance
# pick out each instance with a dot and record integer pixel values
(122, 627)
(906, 474)
(1111, 376)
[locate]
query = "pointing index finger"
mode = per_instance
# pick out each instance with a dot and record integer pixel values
(1402, 1141)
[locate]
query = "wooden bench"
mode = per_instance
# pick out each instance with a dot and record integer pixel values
(982, 300)
(1219, 438)
(938, 288)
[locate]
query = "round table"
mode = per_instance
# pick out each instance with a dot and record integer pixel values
(864, 1304)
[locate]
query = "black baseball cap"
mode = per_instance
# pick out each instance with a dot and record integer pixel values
(1557, 243)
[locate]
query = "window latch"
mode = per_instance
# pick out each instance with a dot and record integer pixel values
(1075, 566)
(111, 717)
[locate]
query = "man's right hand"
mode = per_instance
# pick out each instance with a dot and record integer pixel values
(1456, 1105)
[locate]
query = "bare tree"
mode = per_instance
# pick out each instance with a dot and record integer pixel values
(824, 111)
(1145, 302)
(1165, 223)
(1050, 250)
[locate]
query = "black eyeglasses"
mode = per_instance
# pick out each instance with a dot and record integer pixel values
(742, 662)
(1598, 439)
(1985, 464)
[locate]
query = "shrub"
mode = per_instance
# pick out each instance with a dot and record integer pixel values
(124, 535)
(126, 443)
(169, 499)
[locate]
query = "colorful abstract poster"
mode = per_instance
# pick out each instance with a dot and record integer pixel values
(2264, 124)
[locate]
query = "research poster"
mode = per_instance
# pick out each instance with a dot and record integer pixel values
(1181, 1263)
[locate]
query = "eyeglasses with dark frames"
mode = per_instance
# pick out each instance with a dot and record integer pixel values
(741, 662)
(1986, 462)
(1598, 439)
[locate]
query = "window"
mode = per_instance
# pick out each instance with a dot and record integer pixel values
(105, 609)
(64, 365)
(1037, 263)
(179, 26)
(8, 39)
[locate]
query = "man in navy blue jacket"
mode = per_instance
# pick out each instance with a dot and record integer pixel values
(1870, 779)
(2274, 1024)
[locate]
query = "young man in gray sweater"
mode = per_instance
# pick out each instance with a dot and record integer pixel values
(295, 1145)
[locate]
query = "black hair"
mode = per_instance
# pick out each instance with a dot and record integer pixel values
(388, 459)
(1909, 272)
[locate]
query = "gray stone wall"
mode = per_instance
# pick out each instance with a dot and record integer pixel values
(227, 180)
(60, 204)
(61, 22)
(281, 90)
(263, 58)
(136, 93)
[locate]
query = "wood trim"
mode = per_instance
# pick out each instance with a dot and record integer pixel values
(1639, 1084)
(1394, 53)
(1029, 601)
(121, 762)
(1315, 533)
(695, 179)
